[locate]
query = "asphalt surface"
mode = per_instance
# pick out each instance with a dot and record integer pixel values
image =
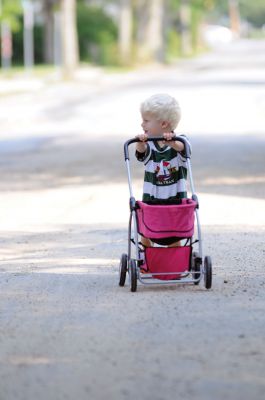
(67, 330)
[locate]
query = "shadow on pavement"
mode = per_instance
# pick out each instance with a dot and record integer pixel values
(229, 165)
(81, 249)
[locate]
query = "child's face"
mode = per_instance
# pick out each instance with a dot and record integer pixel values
(151, 126)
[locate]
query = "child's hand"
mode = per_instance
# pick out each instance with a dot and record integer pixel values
(141, 146)
(168, 138)
(142, 137)
(177, 145)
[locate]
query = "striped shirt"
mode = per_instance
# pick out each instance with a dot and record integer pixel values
(165, 175)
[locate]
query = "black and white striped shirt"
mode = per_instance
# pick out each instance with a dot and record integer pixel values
(165, 175)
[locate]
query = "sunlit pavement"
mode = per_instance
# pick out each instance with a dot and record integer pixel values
(222, 98)
(64, 212)
(219, 93)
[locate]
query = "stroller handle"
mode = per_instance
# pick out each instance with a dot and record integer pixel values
(156, 139)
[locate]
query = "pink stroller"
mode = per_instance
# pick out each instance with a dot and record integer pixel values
(162, 224)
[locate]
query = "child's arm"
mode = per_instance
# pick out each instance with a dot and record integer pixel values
(141, 146)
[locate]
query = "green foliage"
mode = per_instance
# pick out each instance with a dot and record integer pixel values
(197, 14)
(97, 35)
(203, 4)
(200, 4)
(198, 10)
(174, 5)
(11, 12)
(38, 44)
(253, 11)
(18, 46)
(173, 45)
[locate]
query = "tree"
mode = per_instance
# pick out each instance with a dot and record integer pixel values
(185, 24)
(253, 11)
(97, 34)
(48, 14)
(10, 11)
(150, 38)
(125, 31)
(200, 9)
(70, 53)
(187, 17)
(233, 8)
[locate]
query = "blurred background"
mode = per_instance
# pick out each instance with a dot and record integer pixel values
(73, 74)
(72, 77)
(67, 33)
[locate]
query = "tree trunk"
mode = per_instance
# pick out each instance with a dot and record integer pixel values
(234, 16)
(70, 52)
(6, 45)
(185, 21)
(48, 32)
(125, 31)
(28, 35)
(151, 30)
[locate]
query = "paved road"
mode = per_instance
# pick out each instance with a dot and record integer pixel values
(66, 329)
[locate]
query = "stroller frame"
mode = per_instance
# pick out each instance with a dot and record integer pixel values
(132, 265)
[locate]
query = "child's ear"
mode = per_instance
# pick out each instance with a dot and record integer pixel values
(165, 124)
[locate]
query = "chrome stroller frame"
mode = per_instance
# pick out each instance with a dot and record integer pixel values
(197, 268)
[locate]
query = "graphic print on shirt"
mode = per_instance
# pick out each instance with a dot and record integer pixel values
(164, 172)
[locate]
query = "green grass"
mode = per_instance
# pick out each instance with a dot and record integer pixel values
(257, 34)
(37, 71)
(117, 69)
(42, 71)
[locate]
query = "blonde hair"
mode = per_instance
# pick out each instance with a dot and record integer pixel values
(163, 107)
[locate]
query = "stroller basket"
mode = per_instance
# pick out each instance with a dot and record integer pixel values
(163, 221)
(173, 260)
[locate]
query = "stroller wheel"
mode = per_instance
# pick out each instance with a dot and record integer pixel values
(196, 267)
(133, 275)
(207, 272)
(123, 269)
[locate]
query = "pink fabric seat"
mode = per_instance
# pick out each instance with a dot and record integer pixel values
(162, 221)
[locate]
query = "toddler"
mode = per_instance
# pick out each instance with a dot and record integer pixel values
(165, 163)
